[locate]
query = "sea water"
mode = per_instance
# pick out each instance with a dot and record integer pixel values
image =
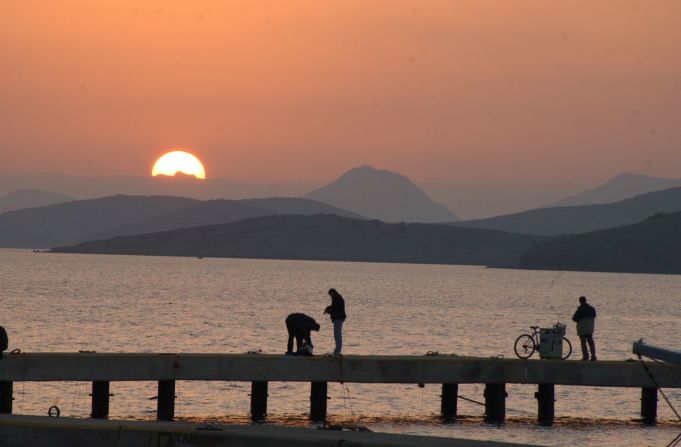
(63, 302)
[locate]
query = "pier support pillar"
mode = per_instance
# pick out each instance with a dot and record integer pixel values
(258, 401)
(649, 406)
(165, 408)
(546, 398)
(6, 391)
(495, 403)
(100, 400)
(318, 393)
(448, 404)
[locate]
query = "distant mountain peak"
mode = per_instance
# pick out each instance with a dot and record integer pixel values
(368, 171)
(381, 194)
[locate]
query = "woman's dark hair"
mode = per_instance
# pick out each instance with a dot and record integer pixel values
(333, 292)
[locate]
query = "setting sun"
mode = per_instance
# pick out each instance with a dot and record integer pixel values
(179, 161)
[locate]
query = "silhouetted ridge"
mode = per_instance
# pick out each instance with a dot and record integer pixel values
(220, 211)
(325, 237)
(581, 219)
(651, 246)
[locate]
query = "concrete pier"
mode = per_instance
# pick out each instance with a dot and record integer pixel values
(348, 368)
(259, 369)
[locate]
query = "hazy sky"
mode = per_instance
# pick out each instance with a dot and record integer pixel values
(285, 90)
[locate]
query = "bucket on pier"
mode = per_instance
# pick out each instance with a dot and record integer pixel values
(551, 342)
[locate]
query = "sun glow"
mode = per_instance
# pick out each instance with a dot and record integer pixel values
(179, 161)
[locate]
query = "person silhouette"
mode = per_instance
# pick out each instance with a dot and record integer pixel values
(585, 317)
(337, 313)
(299, 327)
(4, 341)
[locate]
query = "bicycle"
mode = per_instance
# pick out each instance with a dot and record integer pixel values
(526, 344)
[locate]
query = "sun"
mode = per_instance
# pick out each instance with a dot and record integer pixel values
(179, 161)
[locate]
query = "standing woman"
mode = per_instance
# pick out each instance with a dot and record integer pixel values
(337, 312)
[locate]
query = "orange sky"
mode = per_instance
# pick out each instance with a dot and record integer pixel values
(303, 90)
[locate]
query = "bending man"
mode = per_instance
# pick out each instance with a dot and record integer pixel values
(299, 326)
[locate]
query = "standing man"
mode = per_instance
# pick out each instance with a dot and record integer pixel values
(299, 327)
(337, 313)
(585, 317)
(4, 341)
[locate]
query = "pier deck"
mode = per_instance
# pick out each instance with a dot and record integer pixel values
(260, 369)
(347, 368)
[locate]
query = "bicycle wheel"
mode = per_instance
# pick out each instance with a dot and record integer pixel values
(524, 346)
(567, 343)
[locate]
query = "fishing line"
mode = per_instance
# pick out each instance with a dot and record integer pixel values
(666, 365)
(84, 404)
(23, 397)
(347, 402)
(177, 398)
(229, 397)
(471, 400)
(75, 392)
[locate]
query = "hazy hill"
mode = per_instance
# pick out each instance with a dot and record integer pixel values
(106, 217)
(382, 195)
(30, 198)
(581, 219)
(70, 222)
(490, 198)
(181, 186)
(651, 246)
(325, 237)
(222, 211)
(618, 188)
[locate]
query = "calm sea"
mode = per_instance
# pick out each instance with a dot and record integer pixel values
(60, 302)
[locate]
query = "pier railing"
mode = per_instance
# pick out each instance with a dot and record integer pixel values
(260, 369)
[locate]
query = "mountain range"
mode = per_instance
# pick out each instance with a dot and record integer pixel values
(81, 220)
(582, 219)
(81, 187)
(369, 192)
(488, 199)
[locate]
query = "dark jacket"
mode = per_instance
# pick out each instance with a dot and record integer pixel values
(301, 323)
(584, 311)
(337, 308)
(4, 341)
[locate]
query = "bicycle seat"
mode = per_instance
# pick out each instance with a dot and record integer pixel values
(534, 327)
